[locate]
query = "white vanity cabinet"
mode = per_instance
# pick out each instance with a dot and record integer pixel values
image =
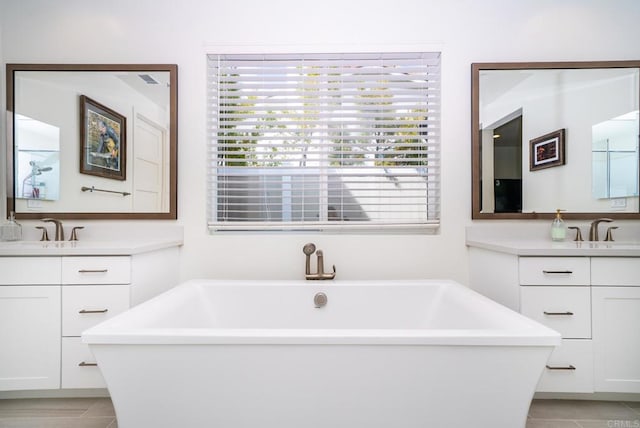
(589, 293)
(46, 302)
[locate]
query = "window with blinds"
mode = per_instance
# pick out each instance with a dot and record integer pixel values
(324, 141)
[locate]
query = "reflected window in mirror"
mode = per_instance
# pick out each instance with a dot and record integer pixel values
(615, 158)
(37, 160)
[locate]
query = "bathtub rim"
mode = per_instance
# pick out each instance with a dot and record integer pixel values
(527, 333)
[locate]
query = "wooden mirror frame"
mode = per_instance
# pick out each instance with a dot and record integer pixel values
(476, 68)
(172, 213)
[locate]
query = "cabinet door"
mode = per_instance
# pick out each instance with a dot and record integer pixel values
(29, 337)
(616, 342)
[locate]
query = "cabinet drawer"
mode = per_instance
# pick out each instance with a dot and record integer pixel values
(564, 309)
(79, 368)
(554, 271)
(96, 270)
(84, 306)
(615, 271)
(29, 270)
(569, 369)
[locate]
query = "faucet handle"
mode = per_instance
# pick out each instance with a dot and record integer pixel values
(45, 235)
(609, 236)
(578, 233)
(74, 234)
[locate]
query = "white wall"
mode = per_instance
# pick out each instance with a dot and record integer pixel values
(169, 31)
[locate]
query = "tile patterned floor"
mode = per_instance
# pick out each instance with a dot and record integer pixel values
(99, 413)
(583, 414)
(57, 413)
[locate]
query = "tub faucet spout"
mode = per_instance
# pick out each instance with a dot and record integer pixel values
(309, 249)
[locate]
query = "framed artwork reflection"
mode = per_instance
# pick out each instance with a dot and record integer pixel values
(103, 144)
(547, 151)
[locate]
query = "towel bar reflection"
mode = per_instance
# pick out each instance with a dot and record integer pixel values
(93, 189)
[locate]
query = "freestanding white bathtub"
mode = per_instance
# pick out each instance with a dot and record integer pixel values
(259, 354)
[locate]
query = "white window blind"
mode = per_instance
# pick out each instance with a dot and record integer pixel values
(321, 141)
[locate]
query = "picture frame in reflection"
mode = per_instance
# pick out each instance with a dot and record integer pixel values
(102, 140)
(547, 151)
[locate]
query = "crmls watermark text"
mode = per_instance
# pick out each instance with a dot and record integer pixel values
(623, 424)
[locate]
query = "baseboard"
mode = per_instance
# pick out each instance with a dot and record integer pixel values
(604, 396)
(56, 393)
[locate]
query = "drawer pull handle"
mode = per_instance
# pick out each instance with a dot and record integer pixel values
(85, 364)
(569, 367)
(557, 272)
(93, 270)
(558, 313)
(94, 311)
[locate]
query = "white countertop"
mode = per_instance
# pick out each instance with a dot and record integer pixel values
(541, 247)
(534, 240)
(84, 248)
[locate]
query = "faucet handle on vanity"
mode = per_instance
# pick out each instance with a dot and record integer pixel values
(45, 234)
(609, 236)
(578, 233)
(74, 234)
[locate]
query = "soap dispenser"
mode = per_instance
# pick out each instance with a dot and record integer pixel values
(10, 230)
(558, 228)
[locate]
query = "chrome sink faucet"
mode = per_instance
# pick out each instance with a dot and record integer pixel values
(308, 250)
(593, 231)
(59, 234)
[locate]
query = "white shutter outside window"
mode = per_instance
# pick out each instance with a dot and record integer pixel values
(323, 141)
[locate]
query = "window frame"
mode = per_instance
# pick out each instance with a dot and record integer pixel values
(430, 226)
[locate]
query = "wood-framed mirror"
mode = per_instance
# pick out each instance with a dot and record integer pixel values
(555, 135)
(92, 141)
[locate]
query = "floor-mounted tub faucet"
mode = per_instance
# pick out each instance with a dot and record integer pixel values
(308, 250)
